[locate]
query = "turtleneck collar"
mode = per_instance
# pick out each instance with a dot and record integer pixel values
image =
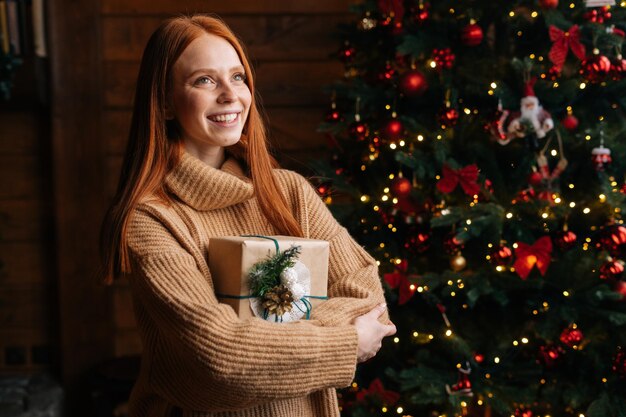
(206, 188)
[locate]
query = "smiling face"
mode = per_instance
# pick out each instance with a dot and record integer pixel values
(209, 98)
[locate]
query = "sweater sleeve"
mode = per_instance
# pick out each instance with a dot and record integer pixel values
(207, 358)
(354, 286)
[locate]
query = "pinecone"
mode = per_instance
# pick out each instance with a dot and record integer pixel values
(278, 300)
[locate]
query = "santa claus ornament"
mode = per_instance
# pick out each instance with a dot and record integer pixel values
(600, 155)
(533, 119)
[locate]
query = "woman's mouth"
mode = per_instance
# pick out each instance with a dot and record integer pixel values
(224, 119)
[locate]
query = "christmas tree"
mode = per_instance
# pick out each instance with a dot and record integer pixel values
(479, 155)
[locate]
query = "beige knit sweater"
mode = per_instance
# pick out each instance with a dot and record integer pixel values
(199, 358)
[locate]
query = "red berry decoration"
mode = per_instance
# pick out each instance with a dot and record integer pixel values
(472, 35)
(595, 68)
(618, 68)
(444, 58)
(565, 239)
(418, 243)
(619, 363)
(359, 131)
(401, 187)
(393, 129)
(550, 354)
(413, 83)
(612, 270)
(570, 122)
(548, 4)
(522, 412)
(346, 53)
(420, 12)
(448, 117)
(501, 255)
(387, 73)
(571, 337)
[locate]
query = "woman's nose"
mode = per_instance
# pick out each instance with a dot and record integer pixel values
(227, 93)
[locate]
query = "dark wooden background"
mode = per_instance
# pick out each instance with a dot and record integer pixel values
(59, 160)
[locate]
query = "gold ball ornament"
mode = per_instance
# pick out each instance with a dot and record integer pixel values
(458, 263)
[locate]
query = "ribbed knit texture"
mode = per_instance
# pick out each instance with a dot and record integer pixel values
(198, 355)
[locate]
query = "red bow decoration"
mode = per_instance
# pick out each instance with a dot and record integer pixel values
(400, 279)
(467, 177)
(563, 42)
(376, 389)
(539, 254)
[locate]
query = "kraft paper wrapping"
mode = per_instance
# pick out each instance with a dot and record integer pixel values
(231, 257)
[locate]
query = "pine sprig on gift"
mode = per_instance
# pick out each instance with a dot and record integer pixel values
(265, 275)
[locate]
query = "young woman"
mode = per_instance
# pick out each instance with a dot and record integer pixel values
(197, 166)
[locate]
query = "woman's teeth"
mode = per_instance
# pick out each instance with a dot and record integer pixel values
(224, 118)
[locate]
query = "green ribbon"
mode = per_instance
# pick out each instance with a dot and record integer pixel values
(266, 237)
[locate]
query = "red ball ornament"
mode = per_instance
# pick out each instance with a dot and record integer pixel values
(401, 187)
(359, 131)
(612, 270)
(570, 122)
(448, 117)
(522, 412)
(452, 244)
(479, 357)
(565, 239)
(501, 255)
(324, 189)
(472, 35)
(623, 189)
(620, 288)
(346, 53)
(548, 4)
(535, 178)
(393, 130)
(418, 243)
(619, 363)
(613, 239)
(595, 68)
(333, 116)
(413, 83)
(571, 336)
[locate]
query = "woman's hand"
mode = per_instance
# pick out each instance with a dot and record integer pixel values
(371, 332)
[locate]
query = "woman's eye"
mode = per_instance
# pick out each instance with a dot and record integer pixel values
(203, 81)
(240, 77)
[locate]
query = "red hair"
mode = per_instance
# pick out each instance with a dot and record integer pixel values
(154, 147)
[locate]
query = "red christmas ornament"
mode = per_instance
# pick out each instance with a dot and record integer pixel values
(601, 156)
(620, 288)
(479, 357)
(333, 116)
(548, 4)
(472, 35)
(359, 131)
(444, 58)
(595, 68)
(418, 243)
(448, 117)
(619, 363)
(571, 336)
(393, 129)
(613, 239)
(413, 83)
(535, 178)
(401, 187)
(570, 122)
(565, 239)
(550, 354)
(612, 270)
(501, 255)
(623, 189)
(618, 68)
(528, 256)
(324, 189)
(452, 244)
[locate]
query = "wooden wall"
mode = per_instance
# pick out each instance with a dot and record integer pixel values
(95, 51)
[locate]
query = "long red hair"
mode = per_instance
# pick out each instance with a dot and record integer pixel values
(154, 146)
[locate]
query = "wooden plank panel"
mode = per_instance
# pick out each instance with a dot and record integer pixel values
(113, 165)
(127, 343)
(293, 129)
(25, 308)
(224, 7)
(25, 265)
(23, 220)
(267, 38)
(19, 133)
(20, 176)
(115, 127)
(280, 83)
(123, 309)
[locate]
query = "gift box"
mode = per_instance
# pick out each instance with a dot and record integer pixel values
(239, 263)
